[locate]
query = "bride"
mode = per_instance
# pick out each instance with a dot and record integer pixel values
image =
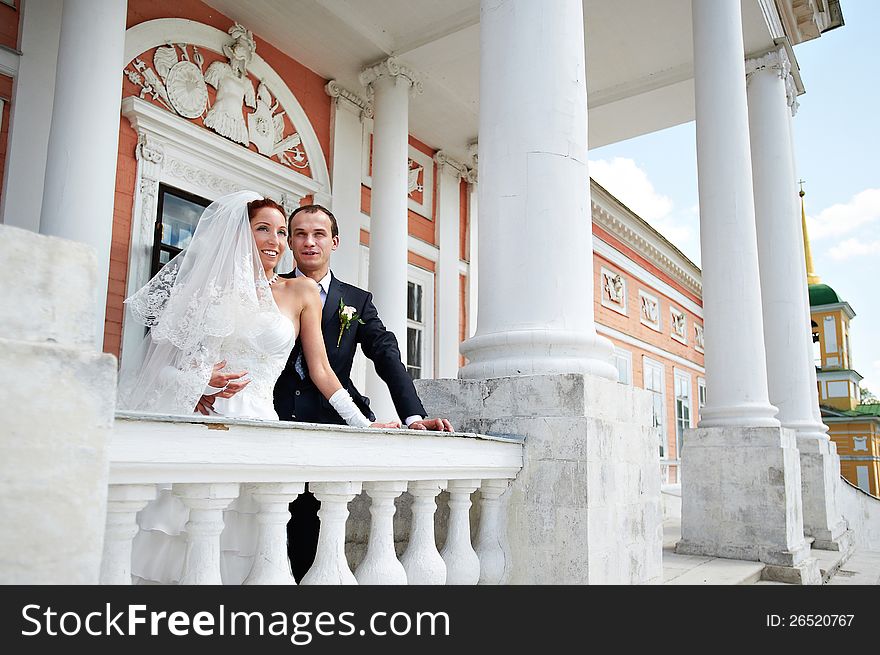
(222, 325)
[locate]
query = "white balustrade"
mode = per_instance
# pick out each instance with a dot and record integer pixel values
(422, 560)
(380, 565)
(124, 501)
(330, 565)
(206, 503)
(462, 563)
(271, 565)
(207, 459)
(489, 535)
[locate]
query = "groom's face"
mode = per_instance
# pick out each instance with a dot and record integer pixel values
(312, 241)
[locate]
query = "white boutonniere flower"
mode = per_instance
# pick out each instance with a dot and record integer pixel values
(347, 316)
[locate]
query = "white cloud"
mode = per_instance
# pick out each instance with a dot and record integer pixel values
(854, 248)
(623, 178)
(843, 218)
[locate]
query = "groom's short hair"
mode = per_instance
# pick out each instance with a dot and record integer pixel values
(310, 209)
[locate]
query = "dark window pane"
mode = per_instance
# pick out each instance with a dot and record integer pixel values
(414, 347)
(414, 302)
(178, 213)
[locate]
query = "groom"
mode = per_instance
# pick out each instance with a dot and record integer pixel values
(313, 236)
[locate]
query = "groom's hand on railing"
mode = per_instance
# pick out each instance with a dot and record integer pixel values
(389, 424)
(435, 424)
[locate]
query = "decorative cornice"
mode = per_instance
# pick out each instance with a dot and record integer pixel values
(391, 68)
(446, 164)
(337, 92)
(634, 232)
(777, 61)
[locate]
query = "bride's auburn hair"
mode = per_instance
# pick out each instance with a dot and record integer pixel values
(256, 205)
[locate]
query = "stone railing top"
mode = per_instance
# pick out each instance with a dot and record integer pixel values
(153, 448)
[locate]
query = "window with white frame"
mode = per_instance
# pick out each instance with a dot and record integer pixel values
(418, 351)
(653, 378)
(623, 363)
(701, 396)
(682, 407)
(419, 323)
(862, 480)
(177, 214)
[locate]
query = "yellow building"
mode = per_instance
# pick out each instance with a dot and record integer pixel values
(854, 427)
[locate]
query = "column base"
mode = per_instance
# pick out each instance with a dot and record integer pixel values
(537, 352)
(741, 495)
(820, 476)
(585, 509)
(805, 573)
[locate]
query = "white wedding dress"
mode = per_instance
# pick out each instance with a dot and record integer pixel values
(159, 547)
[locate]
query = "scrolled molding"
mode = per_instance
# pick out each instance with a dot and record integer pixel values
(359, 104)
(391, 68)
(447, 164)
(778, 62)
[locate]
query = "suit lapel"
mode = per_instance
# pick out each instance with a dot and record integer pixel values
(330, 316)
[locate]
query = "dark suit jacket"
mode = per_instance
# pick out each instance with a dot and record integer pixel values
(299, 400)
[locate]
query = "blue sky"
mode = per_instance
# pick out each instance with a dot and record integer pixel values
(837, 144)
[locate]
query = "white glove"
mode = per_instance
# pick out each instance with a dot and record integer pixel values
(345, 407)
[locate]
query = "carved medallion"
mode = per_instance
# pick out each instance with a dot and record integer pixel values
(186, 89)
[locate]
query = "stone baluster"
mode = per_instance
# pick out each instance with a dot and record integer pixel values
(330, 565)
(489, 534)
(422, 561)
(462, 563)
(206, 503)
(124, 501)
(380, 565)
(271, 565)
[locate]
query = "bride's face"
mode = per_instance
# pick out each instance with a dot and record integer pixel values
(270, 234)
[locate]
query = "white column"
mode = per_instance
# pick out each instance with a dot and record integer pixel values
(791, 376)
(124, 501)
(446, 281)
(271, 564)
(206, 503)
(462, 563)
(736, 372)
(780, 247)
(473, 244)
(421, 560)
(331, 566)
(80, 181)
(390, 83)
(490, 532)
(346, 140)
(380, 565)
(536, 275)
(29, 115)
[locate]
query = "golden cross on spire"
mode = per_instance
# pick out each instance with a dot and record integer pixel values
(801, 192)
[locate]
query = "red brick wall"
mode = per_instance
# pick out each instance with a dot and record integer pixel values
(6, 95)
(9, 24)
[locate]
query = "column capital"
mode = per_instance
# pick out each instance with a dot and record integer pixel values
(447, 164)
(778, 62)
(356, 103)
(391, 68)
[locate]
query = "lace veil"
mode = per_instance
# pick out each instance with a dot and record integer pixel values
(211, 290)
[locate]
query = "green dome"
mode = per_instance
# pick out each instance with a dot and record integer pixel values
(822, 294)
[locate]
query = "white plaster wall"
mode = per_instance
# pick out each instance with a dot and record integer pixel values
(862, 512)
(56, 414)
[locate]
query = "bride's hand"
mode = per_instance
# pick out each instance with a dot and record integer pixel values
(390, 424)
(230, 383)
